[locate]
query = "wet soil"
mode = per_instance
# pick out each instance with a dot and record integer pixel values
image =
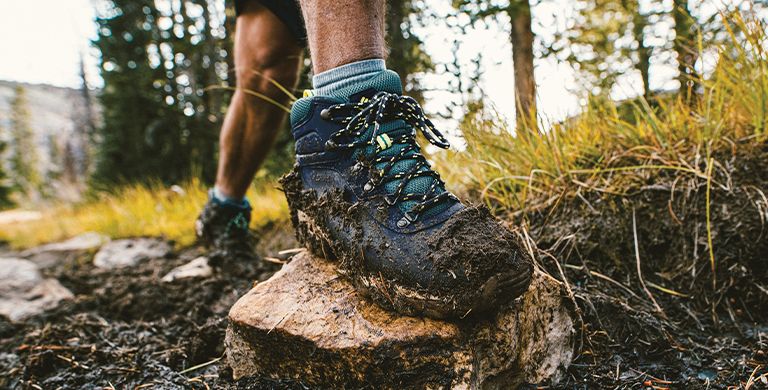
(706, 329)
(126, 329)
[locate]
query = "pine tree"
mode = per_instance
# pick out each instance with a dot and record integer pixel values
(160, 121)
(85, 131)
(53, 175)
(5, 184)
(610, 39)
(607, 40)
(24, 161)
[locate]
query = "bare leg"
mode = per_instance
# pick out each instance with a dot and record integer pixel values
(264, 50)
(343, 31)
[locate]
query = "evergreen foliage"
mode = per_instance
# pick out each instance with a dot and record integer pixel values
(157, 60)
(24, 160)
(5, 184)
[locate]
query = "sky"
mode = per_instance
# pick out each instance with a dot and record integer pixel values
(43, 41)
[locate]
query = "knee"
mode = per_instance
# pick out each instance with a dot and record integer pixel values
(268, 63)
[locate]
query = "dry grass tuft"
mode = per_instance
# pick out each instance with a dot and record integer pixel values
(137, 210)
(615, 148)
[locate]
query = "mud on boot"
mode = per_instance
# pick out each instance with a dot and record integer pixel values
(362, 193)
(223, 228)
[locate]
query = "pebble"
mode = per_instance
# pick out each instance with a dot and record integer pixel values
(197, 268)
(130, 252)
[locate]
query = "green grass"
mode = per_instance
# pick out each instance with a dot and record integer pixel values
(613, 147)
(138, 210)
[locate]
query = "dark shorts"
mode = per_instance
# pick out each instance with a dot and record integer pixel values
(286, 10)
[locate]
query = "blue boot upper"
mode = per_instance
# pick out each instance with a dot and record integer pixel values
(380, 127)
(406, 227)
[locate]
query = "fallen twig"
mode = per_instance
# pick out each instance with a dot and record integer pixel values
(274, 260)
(639, 271)
(208, 363)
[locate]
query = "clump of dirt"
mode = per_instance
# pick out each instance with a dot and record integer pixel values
(306, 207)
(466, 237)
(641, 271)
(126, 329)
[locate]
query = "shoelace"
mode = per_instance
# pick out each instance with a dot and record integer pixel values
(239, 223)
(237, 236)
(384, 108)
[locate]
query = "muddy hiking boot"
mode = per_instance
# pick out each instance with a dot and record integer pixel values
(223, 228)
(361, 192)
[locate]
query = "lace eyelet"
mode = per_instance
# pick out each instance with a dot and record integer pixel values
(325, 114)
(403, 222)
(406, 220)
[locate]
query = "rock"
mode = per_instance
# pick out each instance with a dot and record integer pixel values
(308, 324)
(130, 252)
(197, 268)
(50, 254)
(24, 292)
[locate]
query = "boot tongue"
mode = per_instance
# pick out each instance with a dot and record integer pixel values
(386, 81)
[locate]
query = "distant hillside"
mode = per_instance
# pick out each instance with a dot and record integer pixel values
(59, 119)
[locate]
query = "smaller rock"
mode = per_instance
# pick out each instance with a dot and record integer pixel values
(197, 268)
(130, 252)
(45, 256)
(17, 275)
(24, 292)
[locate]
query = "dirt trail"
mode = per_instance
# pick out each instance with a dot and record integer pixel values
(126, 328)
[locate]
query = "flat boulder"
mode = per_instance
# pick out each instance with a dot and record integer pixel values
(309, 325)
(130, 252)
(58, 252)
(24, 292)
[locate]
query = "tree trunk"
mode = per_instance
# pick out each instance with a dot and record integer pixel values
(522, 56)
(643, 52)
(687, 55)
(86, 133)
(395, 39)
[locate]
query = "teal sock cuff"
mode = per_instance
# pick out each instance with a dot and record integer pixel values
(224, 199)
(346, 75)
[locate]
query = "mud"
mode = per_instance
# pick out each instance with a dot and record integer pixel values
(710, 330)
(461, 249)
(466, 237)
(126, 328)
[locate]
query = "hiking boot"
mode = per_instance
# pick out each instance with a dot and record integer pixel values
(223, 228)
(361, 192)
